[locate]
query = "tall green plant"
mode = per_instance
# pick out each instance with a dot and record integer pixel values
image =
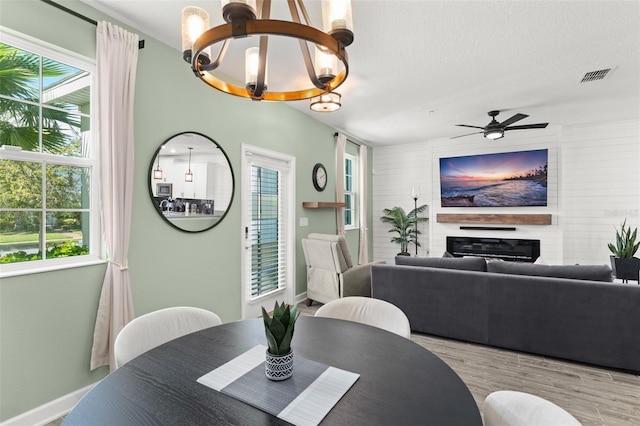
(626, 245)
(279, 328)
(404, 225)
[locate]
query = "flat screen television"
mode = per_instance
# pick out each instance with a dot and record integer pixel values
(509, 179)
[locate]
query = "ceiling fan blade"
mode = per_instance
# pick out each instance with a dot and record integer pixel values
(468, 134)
(528, 126)
(474, 127)
(513, 119)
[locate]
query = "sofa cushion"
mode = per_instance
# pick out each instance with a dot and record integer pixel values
(576, 272)
(466, 263)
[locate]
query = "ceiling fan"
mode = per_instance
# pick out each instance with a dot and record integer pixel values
(495, 130)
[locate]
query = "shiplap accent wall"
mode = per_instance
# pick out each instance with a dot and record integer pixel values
(593, 184)
(600, 187)
(395, 171)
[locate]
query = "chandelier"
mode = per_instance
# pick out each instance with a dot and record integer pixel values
(251, 19)
(328, 102)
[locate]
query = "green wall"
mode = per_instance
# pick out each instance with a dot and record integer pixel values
(47, 319)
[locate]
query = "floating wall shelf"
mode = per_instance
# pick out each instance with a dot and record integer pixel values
(322, 205)
(516, 219)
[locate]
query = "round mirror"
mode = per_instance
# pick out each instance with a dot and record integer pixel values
(191, 182)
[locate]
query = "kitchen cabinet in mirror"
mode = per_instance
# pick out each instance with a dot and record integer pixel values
(191, 182)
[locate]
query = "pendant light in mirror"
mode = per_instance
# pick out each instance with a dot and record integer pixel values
(157, 172)
(188, 177)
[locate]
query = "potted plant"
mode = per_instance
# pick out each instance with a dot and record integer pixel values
(404, 225)
(279, 330)
(625, 266)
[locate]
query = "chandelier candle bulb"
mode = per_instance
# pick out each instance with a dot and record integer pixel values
(337, 20)
(195, 21)
(238, 9)
(326, 66)
(252, 64)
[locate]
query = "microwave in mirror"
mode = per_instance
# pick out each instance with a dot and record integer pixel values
(164, 190)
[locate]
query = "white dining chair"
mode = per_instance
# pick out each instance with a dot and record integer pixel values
(158, 327)
(511, 408)
(365, 310)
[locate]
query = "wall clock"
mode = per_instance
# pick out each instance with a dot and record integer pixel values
(319, 177)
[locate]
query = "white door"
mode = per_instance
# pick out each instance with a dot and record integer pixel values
(268, 231)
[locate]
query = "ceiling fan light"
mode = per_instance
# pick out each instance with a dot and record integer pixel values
(337, 20)
(238, 9)
(328, 102)
(494, 134)
(195, 21)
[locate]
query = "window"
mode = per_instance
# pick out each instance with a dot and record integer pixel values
(350, 192)
(48, 165)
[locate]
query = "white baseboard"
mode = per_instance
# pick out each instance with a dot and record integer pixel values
(299, 298)
(48, 412)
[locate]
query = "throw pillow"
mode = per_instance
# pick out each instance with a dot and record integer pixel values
(576, 272)
(465, 264)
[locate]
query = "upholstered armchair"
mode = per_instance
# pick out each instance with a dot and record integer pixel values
(331, 273)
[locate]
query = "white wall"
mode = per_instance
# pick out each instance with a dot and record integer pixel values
(395, 171)
(593, 184)
(600, 187)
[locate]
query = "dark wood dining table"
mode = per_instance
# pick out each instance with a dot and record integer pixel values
(400, 382)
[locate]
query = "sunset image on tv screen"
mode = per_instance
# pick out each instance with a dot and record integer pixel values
(509, 179)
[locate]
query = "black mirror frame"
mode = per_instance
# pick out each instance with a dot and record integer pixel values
(150, 176)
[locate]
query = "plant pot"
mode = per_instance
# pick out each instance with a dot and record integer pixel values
(404, 253)
(626, 269)
(278, 367)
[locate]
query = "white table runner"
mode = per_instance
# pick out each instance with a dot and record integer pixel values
(304, 399)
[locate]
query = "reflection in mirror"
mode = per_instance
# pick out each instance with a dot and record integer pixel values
(191, 182)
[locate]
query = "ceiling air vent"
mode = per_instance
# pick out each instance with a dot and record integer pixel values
(595, 75)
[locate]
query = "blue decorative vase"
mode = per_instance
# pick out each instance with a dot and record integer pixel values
(278, 367)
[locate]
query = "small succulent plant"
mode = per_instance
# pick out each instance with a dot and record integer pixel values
(279, 328)
(626, 245)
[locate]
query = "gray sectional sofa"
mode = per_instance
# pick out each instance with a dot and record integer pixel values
(572, 312)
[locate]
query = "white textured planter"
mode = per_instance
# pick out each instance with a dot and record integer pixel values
(278, 367)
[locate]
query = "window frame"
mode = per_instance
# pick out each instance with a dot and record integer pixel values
(92, 162)
(353, 194)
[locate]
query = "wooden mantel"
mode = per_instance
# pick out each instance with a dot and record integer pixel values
(322, 205)
(516, 219)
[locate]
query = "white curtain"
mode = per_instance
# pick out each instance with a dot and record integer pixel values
(363, 256)
(341, 142)
(116, 58)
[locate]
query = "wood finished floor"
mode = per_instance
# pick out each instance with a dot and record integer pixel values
(594, 396)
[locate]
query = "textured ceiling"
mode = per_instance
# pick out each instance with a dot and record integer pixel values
(417, 68)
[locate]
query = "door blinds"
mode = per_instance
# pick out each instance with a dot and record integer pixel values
(267, 231)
